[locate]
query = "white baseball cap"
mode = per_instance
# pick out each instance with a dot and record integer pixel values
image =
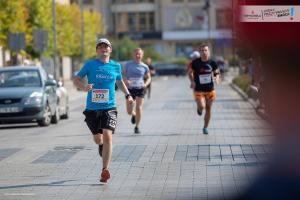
(195, 55)
(103, 40)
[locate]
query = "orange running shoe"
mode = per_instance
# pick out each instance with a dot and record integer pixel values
(105, 175)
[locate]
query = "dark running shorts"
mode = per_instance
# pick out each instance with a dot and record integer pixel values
(137, 93)
(97, 120)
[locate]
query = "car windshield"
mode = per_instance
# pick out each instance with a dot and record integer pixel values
(20, 78)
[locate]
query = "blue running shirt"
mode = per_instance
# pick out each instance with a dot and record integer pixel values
(103, 76)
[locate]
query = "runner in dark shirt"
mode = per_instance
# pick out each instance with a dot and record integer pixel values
(202, 73)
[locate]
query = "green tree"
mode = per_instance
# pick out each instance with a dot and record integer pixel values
(152, 53)
(29, 15)
(68, 30)
(40, 17)
(92, 28)
(123, 49)
(13, 19)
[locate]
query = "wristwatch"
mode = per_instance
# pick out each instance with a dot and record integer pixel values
(127, 96)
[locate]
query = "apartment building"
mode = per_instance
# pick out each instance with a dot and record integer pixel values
(172, 27)
(186, 23)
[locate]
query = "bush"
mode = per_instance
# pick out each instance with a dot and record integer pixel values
(243, 82)
(179, 60)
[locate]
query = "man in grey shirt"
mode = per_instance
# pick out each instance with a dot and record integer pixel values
(134, 74)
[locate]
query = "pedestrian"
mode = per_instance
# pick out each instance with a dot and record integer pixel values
(101, 114)
(194, 55)
(152, 73)
(201, 75)
(137, 77)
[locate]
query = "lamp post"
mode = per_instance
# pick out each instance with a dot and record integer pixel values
(55, 66)
(207, 9)
(81, 30)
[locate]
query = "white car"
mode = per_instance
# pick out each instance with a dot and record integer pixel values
(62, 101)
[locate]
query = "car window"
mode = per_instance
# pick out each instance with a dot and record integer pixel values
(20, 78)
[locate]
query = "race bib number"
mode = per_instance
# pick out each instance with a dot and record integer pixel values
(100, 96)
(205, 78)
(136, 82)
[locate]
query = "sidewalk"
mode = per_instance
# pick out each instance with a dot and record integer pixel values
(171, 159)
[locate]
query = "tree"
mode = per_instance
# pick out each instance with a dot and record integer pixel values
(13, 19)
(68, 30)
(123, 50)
(92, 28)
(152, 53)
(29, 15)
(40, 17)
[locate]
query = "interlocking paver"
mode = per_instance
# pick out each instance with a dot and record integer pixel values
(171, 159)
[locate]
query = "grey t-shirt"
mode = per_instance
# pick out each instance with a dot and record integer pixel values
(135, 73)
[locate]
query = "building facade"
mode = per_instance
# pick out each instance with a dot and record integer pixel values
(139, 20)
(186, 23)
(172, 27)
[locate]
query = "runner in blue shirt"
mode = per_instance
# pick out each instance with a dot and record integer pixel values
(101, 113)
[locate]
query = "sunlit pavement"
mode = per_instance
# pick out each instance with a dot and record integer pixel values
(170, 159)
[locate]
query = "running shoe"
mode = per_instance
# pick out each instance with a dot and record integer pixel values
(133, 119)
(199, 112)
(137, 130)
(205, 131)
(100, 149)
(105, 175)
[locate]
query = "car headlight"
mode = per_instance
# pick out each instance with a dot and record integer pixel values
(34, 98)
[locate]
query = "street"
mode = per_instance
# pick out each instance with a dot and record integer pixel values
(170, 159)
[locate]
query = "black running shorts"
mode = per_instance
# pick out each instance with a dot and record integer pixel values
(137, 93)
(97, 120)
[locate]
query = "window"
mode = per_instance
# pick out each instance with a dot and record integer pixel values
(151, 22)
(132, 22)
(143, 21)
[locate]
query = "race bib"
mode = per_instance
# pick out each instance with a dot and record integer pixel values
(100, 96)
(136, 82)
(205, 78)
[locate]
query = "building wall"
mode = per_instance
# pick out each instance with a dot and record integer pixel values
(186, 24)
(179, 25)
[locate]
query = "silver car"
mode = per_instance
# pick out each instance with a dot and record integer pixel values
(27, 95)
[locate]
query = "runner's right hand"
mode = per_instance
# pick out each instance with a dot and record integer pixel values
(88, 87)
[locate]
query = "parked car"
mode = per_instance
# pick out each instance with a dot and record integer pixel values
(63, 101)
(169, 69)
(27, 94)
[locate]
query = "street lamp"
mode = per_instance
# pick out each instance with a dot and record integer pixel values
(55, 66)
(206, 7)
(81, 30)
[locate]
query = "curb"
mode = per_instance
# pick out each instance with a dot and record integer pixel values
(260, 112)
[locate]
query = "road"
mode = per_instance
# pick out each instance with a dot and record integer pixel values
(171, 159)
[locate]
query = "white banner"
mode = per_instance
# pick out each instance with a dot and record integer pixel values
(270, 14)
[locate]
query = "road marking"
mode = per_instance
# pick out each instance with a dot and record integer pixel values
(19, 194)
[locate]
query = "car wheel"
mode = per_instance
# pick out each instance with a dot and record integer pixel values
(67, 113)
(46, 118)
(55, 118)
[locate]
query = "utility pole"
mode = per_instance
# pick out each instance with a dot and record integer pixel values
(81, 30)
(55, 64)
(207, 9)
